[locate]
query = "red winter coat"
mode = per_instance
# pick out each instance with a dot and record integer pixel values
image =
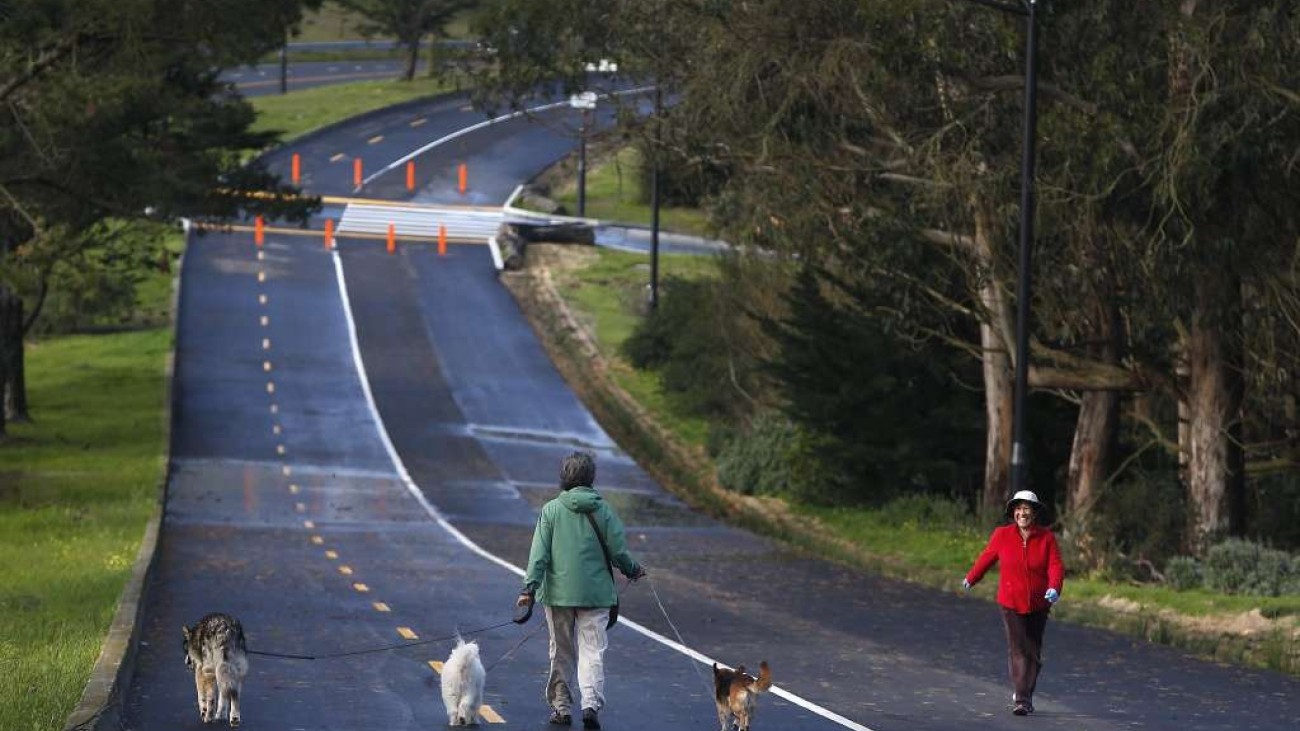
(1029, 567)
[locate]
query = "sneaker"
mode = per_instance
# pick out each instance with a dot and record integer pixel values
(560, 718)
(1021, 709)
(589, 720)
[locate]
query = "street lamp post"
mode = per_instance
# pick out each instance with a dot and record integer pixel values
(1019, 452)
(582, 167)
(654, 205)
(585, 102)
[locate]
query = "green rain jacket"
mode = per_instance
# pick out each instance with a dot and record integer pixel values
(566, 567)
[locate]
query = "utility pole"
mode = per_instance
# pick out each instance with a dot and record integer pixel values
(1019, 450)
(654, 205)
(284, 67)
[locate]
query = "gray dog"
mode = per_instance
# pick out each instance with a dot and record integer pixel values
(214, 650)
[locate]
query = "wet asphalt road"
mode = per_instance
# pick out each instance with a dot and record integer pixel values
(286, 508)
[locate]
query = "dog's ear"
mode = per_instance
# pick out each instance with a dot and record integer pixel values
(185, 632)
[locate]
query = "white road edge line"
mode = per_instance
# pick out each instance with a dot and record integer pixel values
(471, 545)
(473, 127)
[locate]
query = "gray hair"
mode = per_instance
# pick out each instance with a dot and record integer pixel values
(578, 469)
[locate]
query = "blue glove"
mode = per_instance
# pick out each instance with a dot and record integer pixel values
(1052, 596)
(965, 584)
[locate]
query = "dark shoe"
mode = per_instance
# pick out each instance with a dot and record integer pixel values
(560, 718)
(589, 720)
(1021, 709)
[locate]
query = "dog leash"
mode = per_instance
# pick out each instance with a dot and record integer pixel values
(385, 648)
(695, 665)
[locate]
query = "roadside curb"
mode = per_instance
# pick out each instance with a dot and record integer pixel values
(100, 706)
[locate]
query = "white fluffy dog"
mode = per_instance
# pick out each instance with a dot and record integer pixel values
(462, 684)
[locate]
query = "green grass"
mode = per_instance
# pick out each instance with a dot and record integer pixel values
(611, 293)
(615, 191)
(335, 23)
(300, 112)
(76, 489)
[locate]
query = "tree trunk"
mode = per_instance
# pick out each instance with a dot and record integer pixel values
(1096, 433)
(995, 342)
(7, 300)
(412, 58)
(15, 384)
(1216, 463)
(998, 413)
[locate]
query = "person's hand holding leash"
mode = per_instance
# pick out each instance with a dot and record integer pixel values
(1052, 596)
(523, 607)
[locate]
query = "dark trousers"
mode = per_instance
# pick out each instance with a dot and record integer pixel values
(1024, 650)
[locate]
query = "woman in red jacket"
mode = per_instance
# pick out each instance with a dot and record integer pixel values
(1031, 576)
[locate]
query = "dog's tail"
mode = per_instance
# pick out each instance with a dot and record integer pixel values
(764, 678)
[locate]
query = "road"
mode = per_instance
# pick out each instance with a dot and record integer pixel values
(361, 441)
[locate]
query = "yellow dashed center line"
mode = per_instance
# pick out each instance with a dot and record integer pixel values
(361, 588)
(337, 157)
(316, 539)
(382, 607)
(294, 489)
(418, 122)
(261, 255)
(279, 449)
(266, 343)
(300, 507)
(270, 387)
(275, 409)
(436, 665)
(345, 570)
(309, 524)
(407, 633)
(261, 276)
(261, 299)
(265, 320)
(331, 555)
(286, 470)
(275, 429)
(375, 140)
(266, 366)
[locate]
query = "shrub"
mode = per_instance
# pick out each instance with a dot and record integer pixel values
(1238, 566)
(1273, 510)
(762, 461)
(929, 511)
(682, 340)
(1291, 586)
(1140, 516)
(1183, 573)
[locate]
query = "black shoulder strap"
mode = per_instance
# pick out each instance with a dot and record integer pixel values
(609, 563)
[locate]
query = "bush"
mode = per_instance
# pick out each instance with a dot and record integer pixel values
(1291, 586)
(1183, 573)
(765, 459)
(1273, 510)
(682, 340)
(928, 511)
(1141, 516)
(1238, 566)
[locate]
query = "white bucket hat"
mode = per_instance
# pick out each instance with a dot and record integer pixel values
(1025, 496)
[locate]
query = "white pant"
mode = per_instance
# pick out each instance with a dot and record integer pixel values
(577, 638)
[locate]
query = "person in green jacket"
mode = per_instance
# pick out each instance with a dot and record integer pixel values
(568, 574)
